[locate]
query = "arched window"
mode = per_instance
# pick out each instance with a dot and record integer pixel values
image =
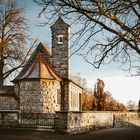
(60, 39)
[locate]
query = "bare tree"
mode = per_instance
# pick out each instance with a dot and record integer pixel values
(109, 30)
(13, 35)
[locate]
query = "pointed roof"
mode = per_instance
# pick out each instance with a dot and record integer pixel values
(60, 21)
(38, 66)
(39, 69)
(45, 48)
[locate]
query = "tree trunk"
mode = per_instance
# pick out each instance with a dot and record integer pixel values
(1, 73)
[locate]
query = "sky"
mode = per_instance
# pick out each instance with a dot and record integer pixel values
(118, 82)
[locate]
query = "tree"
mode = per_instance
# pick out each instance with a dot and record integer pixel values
(88, 100)
(139, 108)
(104, 100)
(121, 107)
(139, 105)
(109, 30)
(13, 35)
(131, 105)
(77, 78)
(111, 103)
(100, 95)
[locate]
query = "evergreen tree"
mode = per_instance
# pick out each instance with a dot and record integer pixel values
(100, 95)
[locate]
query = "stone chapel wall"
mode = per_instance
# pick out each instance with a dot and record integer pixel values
(51, 96)
(39, 96)
(30, 97)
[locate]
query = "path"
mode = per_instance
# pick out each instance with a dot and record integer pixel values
(106, 134)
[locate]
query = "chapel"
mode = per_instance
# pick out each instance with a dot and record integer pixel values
(44, 84)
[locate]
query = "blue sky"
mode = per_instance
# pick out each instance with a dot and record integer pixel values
(119, 83)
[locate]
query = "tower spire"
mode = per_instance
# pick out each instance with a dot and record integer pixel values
(60, 48)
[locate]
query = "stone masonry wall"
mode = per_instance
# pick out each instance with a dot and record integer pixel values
(50, 90)
(77, 122)
(65, 96)
(8, 103)
(60, 52)
(126, 119)
(8, 100)
(9, 107)
(39, 96)
(9, 118)
(30, 97)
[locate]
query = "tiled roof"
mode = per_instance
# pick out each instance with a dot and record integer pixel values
(40, 69)
(38, 66)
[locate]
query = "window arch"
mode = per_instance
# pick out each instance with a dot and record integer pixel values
(60, 39)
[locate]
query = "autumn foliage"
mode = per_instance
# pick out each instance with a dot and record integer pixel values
(100, 95)
(99, 100)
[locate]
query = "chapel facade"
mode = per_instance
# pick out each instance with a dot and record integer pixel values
(44, 84)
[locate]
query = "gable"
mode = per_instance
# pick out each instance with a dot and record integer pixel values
(38, 66)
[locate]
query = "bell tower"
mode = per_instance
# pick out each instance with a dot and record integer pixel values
(60, 48)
